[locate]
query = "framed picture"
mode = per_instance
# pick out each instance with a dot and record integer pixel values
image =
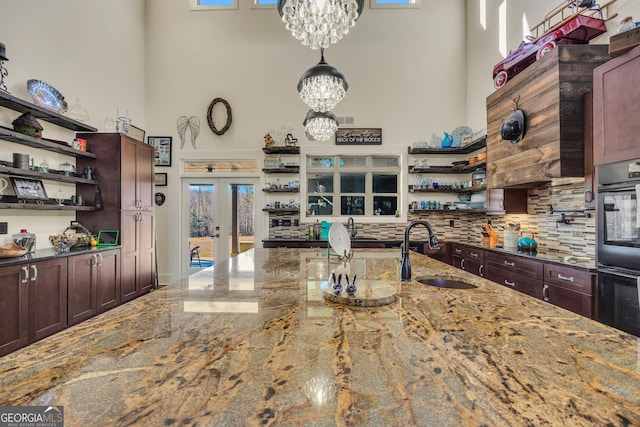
(31, 189)
(163, 149)
(161, 180)
(136, 133)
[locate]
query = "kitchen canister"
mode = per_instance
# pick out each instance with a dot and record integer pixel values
(20, 161)
(510, 239)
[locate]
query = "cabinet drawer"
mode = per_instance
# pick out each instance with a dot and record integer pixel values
(457, 249)
(473, 254)
(519, 282)
(516, 264)
(569, 300)
(571, 278)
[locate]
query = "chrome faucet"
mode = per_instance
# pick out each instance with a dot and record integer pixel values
(405, 265)
(352, 224)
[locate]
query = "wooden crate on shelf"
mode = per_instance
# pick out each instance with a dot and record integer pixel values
(624, 42)
(551, 95)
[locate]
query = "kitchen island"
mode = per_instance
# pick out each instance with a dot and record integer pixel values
(253, 342)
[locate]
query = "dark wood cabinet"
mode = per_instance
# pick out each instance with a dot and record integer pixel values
(467, 258)
(125, 171)
(522, 274)
(33, 304)
(14, 308)
(94, 284)
(616, 90)
(570, 288)
(506, 201)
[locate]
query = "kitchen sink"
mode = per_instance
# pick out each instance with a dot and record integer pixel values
(446, 283)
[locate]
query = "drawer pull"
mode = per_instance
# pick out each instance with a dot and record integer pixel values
(473, 254)
(568, 279)
(508, 283)
(458, 251)
(510, 264)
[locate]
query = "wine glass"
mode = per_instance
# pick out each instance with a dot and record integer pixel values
(60, 198)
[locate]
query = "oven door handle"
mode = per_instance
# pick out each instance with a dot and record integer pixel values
(616, 272)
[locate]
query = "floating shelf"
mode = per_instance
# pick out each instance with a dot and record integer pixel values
(448, 210)
(9, 101)
(286, 169)
(451, 190)
(51, 176)
(281, 190)
(281, 150)
(449, 169)
(42, 143)
(282, 211)
(48, 207)
(465, 149)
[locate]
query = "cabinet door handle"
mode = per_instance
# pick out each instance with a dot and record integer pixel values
(545, 292)
(100, 259)
(473, 254)
(568, 279)
(480, 270)
(508, 283)
(26, 274)
(95, 260)
(462, 264)
(502, 203)
(510, 264)
(35, 272)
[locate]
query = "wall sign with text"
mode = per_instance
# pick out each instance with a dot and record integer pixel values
(359, 136)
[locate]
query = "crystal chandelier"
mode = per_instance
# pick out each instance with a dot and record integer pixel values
(319, 23)
(320, 126)
(322, 86)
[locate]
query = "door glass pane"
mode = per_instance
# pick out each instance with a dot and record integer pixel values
(352, 205)
(352, 183)
(243, 218)
(201, 220)
(385, 183)
(321, 162)
(385, 205)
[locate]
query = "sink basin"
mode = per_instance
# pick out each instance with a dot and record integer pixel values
(446, 283)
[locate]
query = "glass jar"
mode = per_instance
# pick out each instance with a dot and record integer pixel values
(25, 240)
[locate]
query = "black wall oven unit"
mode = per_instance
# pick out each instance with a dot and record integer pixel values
(618, 245)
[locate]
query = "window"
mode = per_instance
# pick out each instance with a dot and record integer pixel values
(353, 185)
(395, 4)
(213, 4)
(267, 4)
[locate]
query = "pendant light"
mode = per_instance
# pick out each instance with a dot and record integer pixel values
(322, 86)
(319, 23)
(320, 126)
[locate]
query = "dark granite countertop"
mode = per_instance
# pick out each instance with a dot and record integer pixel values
(50, 253)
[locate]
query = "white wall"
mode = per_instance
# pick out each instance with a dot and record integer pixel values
(411, 72)
(90, 50)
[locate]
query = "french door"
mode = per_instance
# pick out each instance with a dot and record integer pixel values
(218, 219)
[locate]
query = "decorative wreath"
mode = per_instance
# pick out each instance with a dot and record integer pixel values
(210, 117)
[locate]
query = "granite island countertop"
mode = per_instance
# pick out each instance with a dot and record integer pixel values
(252, 342)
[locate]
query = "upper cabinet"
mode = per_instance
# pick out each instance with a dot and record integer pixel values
(616, 90)
(550, 93)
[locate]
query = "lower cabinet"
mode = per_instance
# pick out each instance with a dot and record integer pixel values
(94, 284)
(570, 288)
(44, 297)
(519, 273)
(34, 302)
(468, 258)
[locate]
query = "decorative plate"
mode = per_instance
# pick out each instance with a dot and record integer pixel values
(46, 96)
(339, 239)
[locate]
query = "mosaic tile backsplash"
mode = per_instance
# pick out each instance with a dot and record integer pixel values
(545, 209)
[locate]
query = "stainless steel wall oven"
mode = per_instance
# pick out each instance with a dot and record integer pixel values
(618, 245)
